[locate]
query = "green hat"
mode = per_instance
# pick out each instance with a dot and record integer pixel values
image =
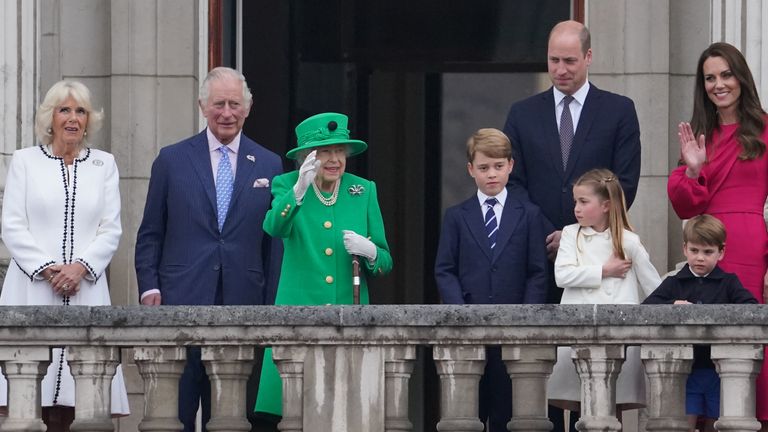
(322, 130)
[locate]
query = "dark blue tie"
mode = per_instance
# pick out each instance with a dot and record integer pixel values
(491, 226)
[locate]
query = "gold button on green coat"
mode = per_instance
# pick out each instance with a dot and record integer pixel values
(328, 251)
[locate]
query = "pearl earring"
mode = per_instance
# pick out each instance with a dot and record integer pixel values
(49, 130)
(85, 132)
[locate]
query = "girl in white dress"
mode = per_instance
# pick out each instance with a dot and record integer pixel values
(601, 261)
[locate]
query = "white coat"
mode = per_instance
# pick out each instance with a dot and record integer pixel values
(578, 270)
(58, 214)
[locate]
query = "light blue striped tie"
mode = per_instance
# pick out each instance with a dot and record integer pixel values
(491, 227)
(224, 181)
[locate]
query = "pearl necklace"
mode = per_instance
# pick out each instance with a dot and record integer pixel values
(334, 196)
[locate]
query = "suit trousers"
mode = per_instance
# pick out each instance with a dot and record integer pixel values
(194, 385)
(495, 392)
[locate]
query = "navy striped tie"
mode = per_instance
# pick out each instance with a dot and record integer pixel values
(491, 227)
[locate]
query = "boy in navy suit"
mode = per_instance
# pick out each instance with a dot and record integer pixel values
(492, 251)
(702, 281)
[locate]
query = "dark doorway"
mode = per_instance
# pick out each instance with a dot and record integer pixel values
(411, 75)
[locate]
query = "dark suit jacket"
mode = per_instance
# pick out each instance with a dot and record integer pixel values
(607, 136)
(179, 249)
(468, 271)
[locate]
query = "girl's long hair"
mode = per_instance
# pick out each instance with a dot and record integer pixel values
(750, 113)
(606, 186)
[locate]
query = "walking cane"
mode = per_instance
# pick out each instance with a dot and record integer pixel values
(355, 280)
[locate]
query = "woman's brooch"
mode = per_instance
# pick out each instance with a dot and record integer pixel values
(356, 190)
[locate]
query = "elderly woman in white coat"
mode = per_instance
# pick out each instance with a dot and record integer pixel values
(61, 224)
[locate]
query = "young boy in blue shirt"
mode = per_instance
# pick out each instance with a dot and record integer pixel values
(492, 251)
(701, 281)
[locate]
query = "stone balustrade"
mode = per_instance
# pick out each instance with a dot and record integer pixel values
(347, 368)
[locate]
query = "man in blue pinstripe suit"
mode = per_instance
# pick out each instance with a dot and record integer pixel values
(201, 240)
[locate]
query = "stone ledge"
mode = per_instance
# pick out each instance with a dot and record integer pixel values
(383, 315)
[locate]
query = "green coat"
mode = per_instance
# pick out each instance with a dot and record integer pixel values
(317, 270)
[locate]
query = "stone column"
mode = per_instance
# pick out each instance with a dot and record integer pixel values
(529, 367)
(290, 362)
(160, 368)
(398, 367)
(93, 368)
(598, 367)
(228, 368)
(667, 368)
(24, 368)
(460, 368)
(738, 365)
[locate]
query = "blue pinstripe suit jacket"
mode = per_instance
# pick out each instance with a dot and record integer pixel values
(179, 249)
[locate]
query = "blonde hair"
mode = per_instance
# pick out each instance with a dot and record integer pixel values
(705, 230)
(56, 95)
(490, 142)
(606, 186)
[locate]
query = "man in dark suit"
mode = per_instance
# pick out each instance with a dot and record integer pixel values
(560, 134)
(201, 240)
(604, 134)
(492, 251)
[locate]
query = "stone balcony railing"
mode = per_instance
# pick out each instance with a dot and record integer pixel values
(347, 368)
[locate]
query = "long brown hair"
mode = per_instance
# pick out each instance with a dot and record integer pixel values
(606, 186)
(750, 112)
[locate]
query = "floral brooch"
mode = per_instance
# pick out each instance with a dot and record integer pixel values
(356, 190)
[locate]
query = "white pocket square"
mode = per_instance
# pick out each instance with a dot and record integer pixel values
(261, 183)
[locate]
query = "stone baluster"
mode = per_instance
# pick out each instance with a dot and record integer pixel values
(290, 363)
(529, 367)
(667, 368)
(93, 367)
(598, 367)
(738, 365)
(228, 368)
(398, 367)
(24, 368)
(160, 368)
(460, 368)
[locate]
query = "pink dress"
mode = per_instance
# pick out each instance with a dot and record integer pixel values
(733, 191)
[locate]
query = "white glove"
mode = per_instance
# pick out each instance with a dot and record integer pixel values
(307, 174)
(355, 244)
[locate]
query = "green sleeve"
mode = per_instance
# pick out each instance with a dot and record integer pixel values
(383, 263)
(279, 219)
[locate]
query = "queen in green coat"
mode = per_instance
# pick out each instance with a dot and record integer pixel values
(324, 216)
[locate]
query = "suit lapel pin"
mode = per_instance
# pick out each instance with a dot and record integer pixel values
(251, 158)
(98, 162)
(356, 190)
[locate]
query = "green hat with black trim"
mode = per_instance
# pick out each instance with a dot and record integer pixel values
(322, 130)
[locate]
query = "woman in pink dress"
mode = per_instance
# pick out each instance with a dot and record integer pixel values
(724, 171)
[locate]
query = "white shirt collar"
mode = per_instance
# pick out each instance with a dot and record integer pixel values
(580, 96)
(214, 144)
(501, 197)
(589, 231)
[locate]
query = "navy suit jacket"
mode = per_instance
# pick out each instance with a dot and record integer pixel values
(179, 249)
(607, 136)
(468, 271)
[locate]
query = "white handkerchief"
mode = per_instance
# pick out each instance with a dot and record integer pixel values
(261, 183)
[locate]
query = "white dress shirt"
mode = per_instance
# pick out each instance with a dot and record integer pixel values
(498, 209)
(213, 148)
(576, 104)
